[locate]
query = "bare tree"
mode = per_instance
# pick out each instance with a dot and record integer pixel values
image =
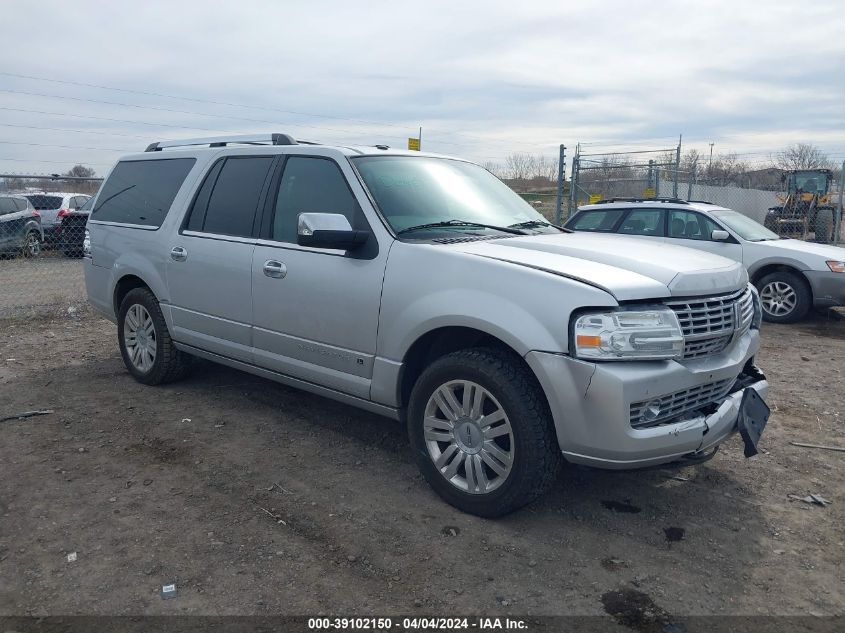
(80, 171)
(690, 161)
(802, 156)
(517, 165)
(727, 169)
(493, 167)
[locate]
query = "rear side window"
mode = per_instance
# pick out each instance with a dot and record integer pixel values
(643, 222)
(45, 203)
(141, 191)
(7, 205)
(691, 226)
(228, 199)
(20, 204)
(603, 220)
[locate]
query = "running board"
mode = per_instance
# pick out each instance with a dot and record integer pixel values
(296, 383)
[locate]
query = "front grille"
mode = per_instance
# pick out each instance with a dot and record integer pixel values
(709, 323)
(674, 406)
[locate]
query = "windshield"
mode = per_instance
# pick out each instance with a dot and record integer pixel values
(745, 227)
(811, 182)
(417, 190)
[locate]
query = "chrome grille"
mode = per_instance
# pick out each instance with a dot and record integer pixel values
(674, 405)
(709, 323)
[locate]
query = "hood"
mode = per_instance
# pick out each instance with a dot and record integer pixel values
(797, 247)
(627, 268)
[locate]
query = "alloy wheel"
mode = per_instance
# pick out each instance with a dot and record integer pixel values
(139, 337)
(778, 298)
(32, 246)
(468, 436)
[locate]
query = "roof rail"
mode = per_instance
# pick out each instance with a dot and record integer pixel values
(222, 141)
(715, 204)
(671, 200)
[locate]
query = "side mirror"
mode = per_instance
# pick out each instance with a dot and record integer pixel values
(328, 230)
(719, 235)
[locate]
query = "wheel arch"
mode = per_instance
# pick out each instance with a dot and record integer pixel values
(443, 340)
(123, 286)
(774, 267)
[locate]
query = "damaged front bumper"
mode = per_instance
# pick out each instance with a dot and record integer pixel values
(593, 404)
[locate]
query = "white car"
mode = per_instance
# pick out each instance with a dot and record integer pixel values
(791, 275)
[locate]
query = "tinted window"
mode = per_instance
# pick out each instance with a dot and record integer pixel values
(20, 204)
(141, 191)
(235, 192)
(690, 226)
(312, 185)
(45, 203)
(643, 222)
(7, 205)
(603, 220)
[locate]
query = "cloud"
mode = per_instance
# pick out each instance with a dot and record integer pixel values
(483, 79)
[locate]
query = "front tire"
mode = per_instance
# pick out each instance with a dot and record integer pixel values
(785, 297)
(824, 226)
(482, 432)
(145, 344)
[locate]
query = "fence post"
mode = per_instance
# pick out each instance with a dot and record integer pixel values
(677, 169)
(561, 173)
(837, 222)
(690, 179)
(573, 184)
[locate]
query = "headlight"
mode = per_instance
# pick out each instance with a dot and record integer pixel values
(86, 244)
(837, 267)
(757, 317)
(628, 334)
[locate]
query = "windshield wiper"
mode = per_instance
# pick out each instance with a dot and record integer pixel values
(528, 224)
(446, 223)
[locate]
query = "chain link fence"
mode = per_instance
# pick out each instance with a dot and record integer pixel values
(42, 228)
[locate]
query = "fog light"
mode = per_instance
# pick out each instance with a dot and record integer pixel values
(651, 411)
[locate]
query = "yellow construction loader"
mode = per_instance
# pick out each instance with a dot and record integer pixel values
(805, 208)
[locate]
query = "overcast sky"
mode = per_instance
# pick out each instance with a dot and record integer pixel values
(483, 79)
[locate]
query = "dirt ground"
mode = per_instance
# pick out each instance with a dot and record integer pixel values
(254, 498)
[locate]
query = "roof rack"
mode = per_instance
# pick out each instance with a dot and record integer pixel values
(222, 141)
(671, 200)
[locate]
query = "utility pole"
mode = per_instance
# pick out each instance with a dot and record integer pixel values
(710, 164)
(420, 138)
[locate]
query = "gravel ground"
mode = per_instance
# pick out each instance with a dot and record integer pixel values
(258, 499)
(29, 285)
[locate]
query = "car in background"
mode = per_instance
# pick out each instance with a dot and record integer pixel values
(20, 227)
(71, 233)
(792, 276)
(53, 207)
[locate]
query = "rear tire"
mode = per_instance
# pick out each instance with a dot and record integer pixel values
(31, 245)
(145, 344)
(785, 297)
(495, 449)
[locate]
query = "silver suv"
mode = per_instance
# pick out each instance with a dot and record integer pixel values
(421, 288)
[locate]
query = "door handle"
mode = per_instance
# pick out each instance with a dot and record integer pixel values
(275, 269)
(178, 254)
